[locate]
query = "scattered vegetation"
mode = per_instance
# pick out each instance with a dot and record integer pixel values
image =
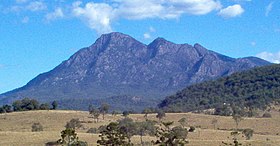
(69, 138)
(26, 104)
(36, 127)
(73, 124)
(166, 135)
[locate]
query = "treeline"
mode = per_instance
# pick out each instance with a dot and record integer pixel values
(244, 91)
(27, 104)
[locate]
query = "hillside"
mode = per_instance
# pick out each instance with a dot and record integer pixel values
(16, 127)
(118, 65)
(256, 88)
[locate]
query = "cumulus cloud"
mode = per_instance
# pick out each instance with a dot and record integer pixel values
(58, 13)
(99, 16)
(231, 11)
(36, 6)
(268, 8)
(271, 57)
(24, 5)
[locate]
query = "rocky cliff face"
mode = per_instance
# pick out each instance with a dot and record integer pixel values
(117, 64)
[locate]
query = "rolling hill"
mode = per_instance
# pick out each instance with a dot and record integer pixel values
(256, 88)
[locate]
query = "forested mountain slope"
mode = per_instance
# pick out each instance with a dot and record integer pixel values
(256, 88)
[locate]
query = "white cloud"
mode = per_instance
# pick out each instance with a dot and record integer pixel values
(231, 11)
(271, 57)
(268, 8)
(99, 16)
(147, 35)
(58, 13)
(36, 6)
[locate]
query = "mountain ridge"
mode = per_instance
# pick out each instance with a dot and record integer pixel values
(117, 64)
(256, 88)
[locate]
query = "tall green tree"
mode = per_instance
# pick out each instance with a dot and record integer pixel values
(168, 136)
(104, 109)
(113, 135)
(54, 105)
(160, 115)
(69, 138)
(95, 114)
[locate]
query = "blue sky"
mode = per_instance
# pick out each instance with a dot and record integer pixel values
(37, 35)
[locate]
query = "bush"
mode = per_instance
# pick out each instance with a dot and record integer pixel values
(267, 115)
(248, 133)
(74, 123)
(36, 127)
(192, 129)
(52, 143)
(69, 138)
(92, 130)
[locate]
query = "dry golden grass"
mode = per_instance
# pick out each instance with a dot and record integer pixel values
(15, 128)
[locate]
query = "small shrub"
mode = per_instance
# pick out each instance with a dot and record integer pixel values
(267, 115)
(36, 127)
(192, 129)
(248, 133)
(74, 123)
(52, 143)
(69, 138)
(92, 130)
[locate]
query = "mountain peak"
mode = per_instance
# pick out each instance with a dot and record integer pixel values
(117, 64)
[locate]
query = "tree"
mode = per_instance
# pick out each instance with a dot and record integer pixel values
(95, 113)
(17, 105)
(183, 122)
(54, 105)
(125, 113)
(6, 109)
(146, 112)
(69, 137)
(25, 104)
(36, 127)
(73, 124)
(104, 109)
(171, 136)
(237, 119)
(44, 106)
(114, 113)
(248, 133)
(146, 127)
(113, 135)
(128, 127)
(160, 114)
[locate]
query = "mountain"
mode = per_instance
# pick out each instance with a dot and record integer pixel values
(118, 65)
(252, 89)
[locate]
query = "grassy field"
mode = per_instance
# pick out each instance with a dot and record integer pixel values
(15, 128)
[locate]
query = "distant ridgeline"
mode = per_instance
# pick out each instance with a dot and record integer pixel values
(256, 88)
(117, 65)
